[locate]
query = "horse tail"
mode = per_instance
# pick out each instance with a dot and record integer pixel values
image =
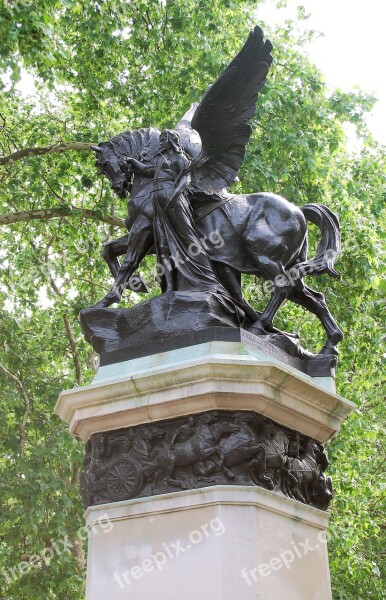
(329, 246)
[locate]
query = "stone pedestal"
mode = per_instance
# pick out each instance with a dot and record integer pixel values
(218, 543)
(222, 540)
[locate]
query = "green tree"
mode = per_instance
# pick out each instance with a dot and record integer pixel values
(103, 67)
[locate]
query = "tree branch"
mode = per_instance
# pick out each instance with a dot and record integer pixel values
(59, 211)
(55, 148)
(70, 336)
(27, 404)
(74, 350)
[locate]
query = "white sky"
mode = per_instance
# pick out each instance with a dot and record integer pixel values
(351, 53)
(353, 49)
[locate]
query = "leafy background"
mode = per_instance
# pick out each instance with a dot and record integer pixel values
(103, 67)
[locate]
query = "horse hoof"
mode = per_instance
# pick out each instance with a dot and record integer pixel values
(329, 351)
(257, 329)
(101, 304)
(106, 301)
(267, 482)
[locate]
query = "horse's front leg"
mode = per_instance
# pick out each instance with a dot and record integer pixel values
(168, 475)
(116, 248)
(215, 451)
(140, 241)
(112, 250)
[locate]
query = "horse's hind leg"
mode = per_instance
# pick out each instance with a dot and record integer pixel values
(231, 280)
(281, 288)
(315, 303)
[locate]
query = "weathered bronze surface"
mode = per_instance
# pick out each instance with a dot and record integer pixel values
(215, 447)
(203, 236)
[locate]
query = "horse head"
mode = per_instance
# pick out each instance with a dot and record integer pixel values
(225, 427)
(107, 163)
(312, 449)
(141, 144)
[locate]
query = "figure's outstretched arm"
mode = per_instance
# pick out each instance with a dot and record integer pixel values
(128, 165)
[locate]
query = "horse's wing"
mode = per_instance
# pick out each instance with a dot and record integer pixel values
(222, 117)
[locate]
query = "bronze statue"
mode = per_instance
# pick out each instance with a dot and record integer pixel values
(180, 252)
(178, 182)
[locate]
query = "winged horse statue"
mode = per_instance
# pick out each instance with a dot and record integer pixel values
(262, 233)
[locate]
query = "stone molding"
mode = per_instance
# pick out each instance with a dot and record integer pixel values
(217, 495)
(224, 383)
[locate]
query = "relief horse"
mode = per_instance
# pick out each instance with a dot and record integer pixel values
(201, 445)
(272, 454)
(260, 448)
(303, 476)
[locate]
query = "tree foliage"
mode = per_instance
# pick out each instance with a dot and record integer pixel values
(103, 67)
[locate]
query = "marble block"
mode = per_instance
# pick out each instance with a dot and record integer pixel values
(218, 543)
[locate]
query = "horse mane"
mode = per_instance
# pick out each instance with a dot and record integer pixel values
(137, 143)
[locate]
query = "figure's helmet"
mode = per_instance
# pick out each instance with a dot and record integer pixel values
(190, 141)
(172, 137)
(190, 138)
(186, 139)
